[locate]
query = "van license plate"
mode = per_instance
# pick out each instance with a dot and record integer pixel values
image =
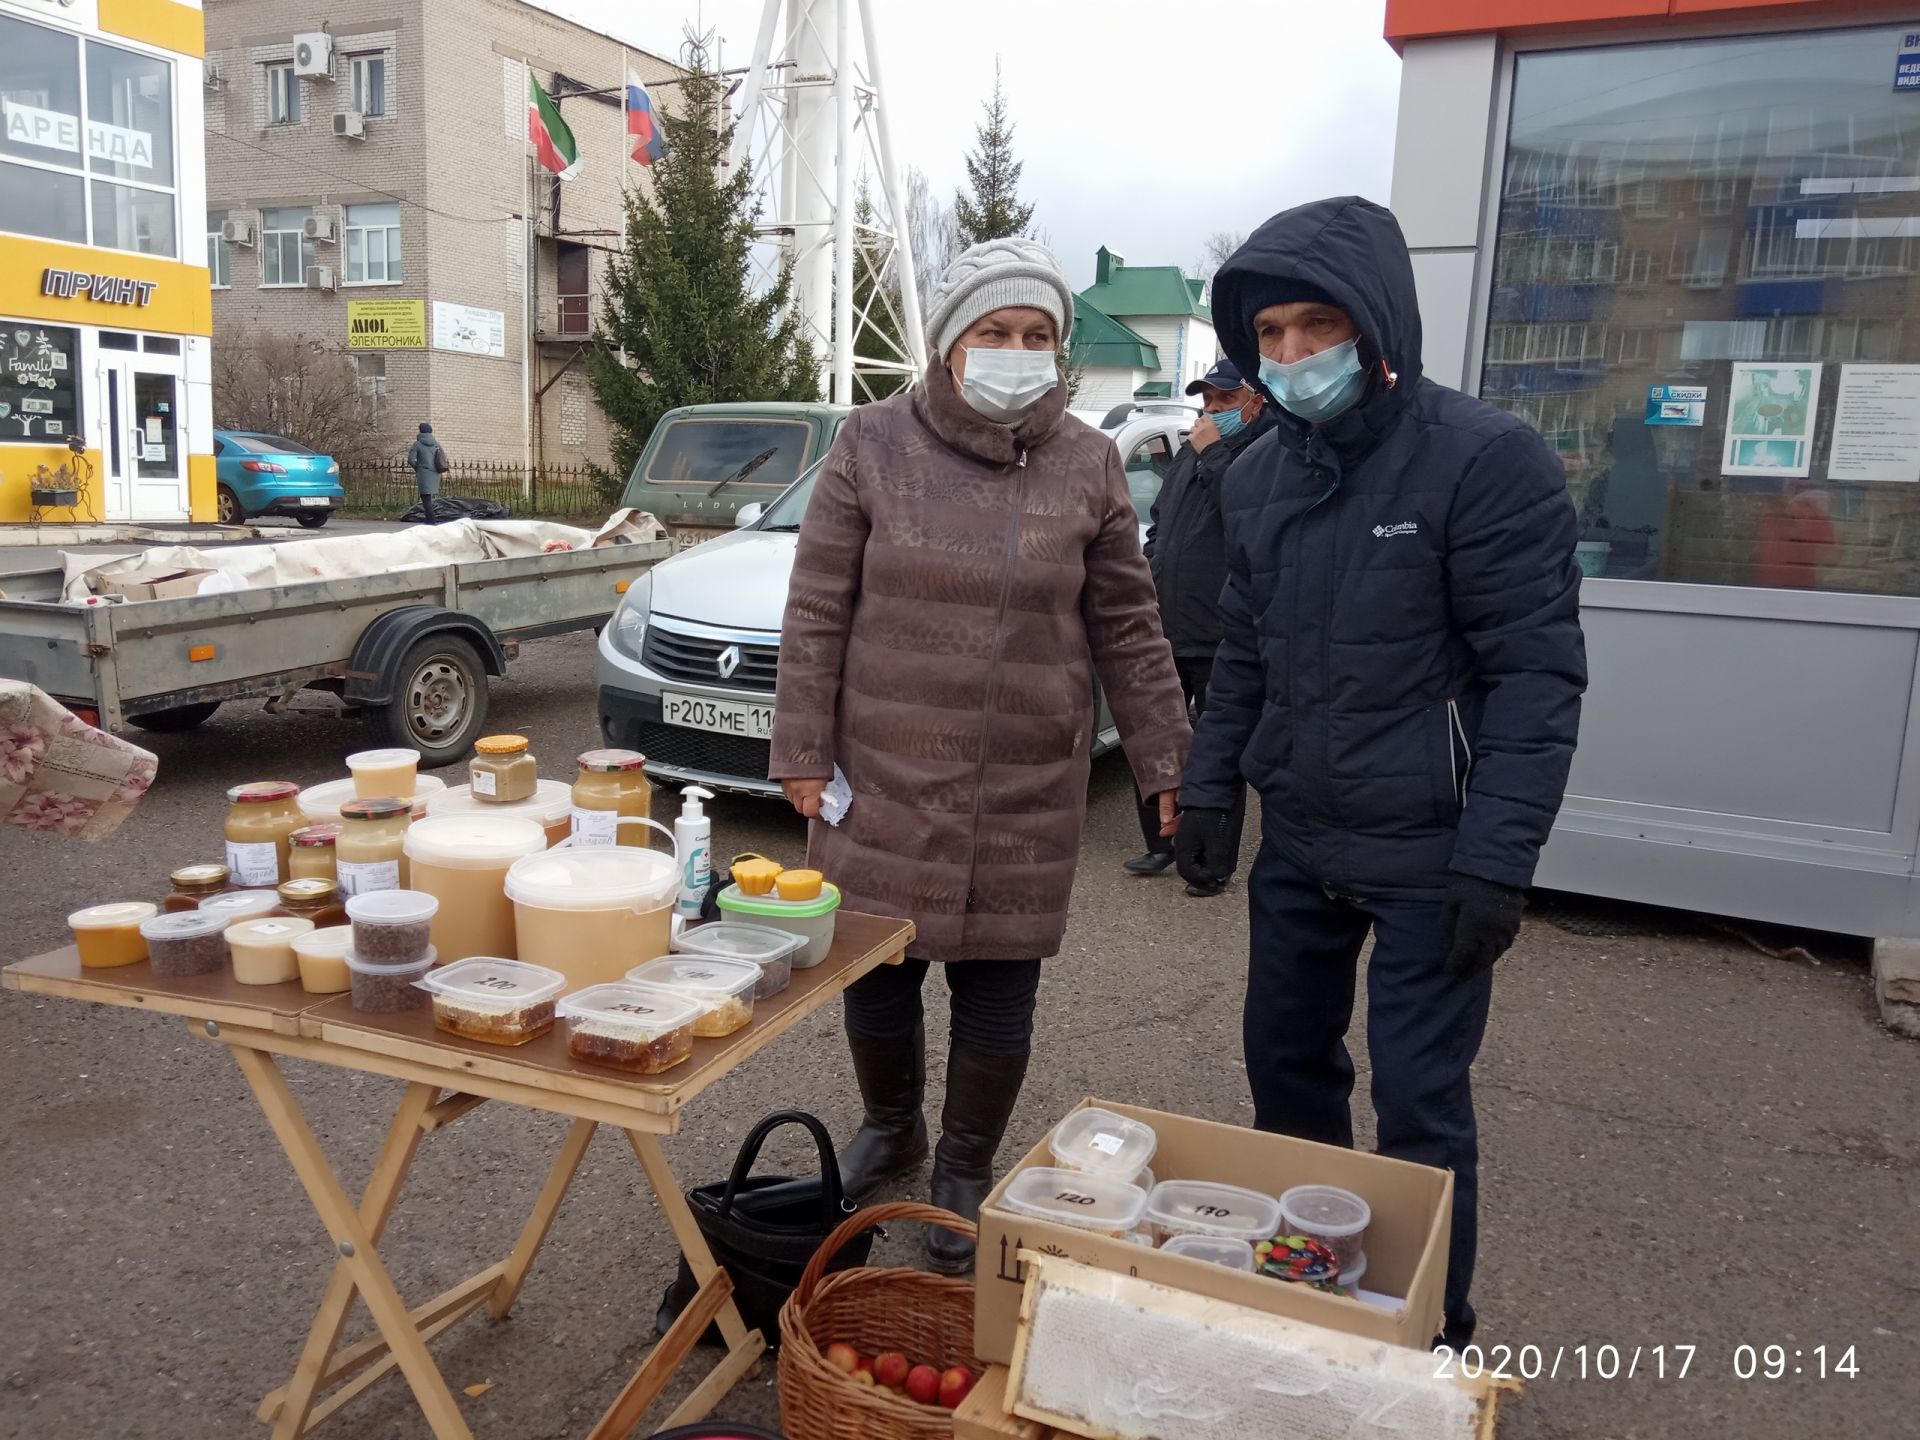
(725, 717)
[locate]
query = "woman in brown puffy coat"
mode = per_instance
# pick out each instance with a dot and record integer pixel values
(969, 564)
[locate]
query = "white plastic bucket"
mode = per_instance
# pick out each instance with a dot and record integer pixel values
(594, 914)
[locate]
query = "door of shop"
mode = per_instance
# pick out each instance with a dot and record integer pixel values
(145, 461)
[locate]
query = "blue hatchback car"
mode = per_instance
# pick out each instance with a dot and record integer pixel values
(272, 475)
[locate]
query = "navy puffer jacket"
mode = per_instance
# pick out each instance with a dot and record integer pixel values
(1402, 665)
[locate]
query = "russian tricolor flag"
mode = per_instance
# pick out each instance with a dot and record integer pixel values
(643, 126)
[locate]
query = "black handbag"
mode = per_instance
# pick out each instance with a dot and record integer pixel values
(763, 1229)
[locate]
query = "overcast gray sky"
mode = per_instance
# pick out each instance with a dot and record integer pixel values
(1139, 131)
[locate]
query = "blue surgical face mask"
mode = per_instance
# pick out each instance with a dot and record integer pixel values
(1228, 422)
(1320, 386)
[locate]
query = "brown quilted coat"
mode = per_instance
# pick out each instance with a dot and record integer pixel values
(957, 587)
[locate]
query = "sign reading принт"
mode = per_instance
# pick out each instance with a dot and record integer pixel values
(386, 324)
(1906, 70)
(107, 289)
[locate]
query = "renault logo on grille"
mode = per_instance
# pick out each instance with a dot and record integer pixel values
(728, 662)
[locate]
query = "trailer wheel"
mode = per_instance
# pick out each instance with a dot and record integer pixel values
(181, 717)
(439, 704)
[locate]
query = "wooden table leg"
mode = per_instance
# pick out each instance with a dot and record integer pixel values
(693, 1244)
(664, 1359)
(354, 1242)
(534, 1232)
(291, 1403)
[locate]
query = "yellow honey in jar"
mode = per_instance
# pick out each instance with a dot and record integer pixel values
(108, 936)
(370, 853)
(611, 786)
(310, 851)
(260, 817)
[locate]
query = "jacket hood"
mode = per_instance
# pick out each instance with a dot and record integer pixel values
(1348, 247)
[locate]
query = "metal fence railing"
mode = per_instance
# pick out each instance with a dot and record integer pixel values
(386, 489)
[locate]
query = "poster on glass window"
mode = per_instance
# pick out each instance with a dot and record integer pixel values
(1770, 418)
(39, 398)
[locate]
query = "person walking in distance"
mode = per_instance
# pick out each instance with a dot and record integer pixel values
(1187, 548)
(429, 463)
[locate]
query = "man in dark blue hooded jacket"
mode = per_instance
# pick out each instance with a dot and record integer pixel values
(1399, 679)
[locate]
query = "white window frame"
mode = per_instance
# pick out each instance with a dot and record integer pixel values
(389, 244)
(269, 240)
(219, 254)
(283, 94)
(359, 69)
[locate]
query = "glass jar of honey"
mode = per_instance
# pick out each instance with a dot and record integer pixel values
(611, 786)
(260, 817)
(311, 854)
(194, 883)
(370, 853)
(315, 900)
(502, 770)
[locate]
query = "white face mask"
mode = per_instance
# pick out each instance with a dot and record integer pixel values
(1004, 384)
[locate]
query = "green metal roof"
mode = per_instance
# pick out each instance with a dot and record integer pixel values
(1155, 390)
(1144, 289)
(1099, 339)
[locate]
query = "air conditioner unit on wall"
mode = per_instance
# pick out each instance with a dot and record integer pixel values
(313, 55)
(320, 277)
(318, 227)
(214, 76)
(237, 232)
(350, 125)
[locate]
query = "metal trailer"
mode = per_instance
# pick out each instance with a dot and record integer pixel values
(408, 651)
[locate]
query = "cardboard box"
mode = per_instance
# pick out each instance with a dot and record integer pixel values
(983, 1414)
(1406, 1241)
(151, 584)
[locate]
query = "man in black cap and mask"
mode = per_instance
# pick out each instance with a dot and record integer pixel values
(1399, 677)
(1188, 551)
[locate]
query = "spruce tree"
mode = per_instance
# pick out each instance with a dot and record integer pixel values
(876, 295)
(993, 211)
(681, 323)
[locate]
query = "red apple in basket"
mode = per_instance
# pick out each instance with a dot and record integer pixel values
(954, 1386)
(923, 1385)
(843, 1356)
(890, 1368)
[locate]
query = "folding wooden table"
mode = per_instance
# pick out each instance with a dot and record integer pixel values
(446, 1077)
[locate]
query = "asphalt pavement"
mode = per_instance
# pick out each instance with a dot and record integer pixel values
(1686, 1143)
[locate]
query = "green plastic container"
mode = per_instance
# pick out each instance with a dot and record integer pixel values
(810, 920)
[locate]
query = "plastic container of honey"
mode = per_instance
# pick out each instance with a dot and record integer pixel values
(500, 1002)
(322, 956)
(380, 774)
(629, 1027)
(108, 936)
(260, 817)
(593, 914)
(310, 852)
(1108, 1144)
(462, 861)
(723, 987)
(371, 853)
(502, 771)
(186, 942)
(192, 884)
(263, 949)
(321, 803)
(1078, 1198)
(550, 807)
(611, 786)
(1204, 1207)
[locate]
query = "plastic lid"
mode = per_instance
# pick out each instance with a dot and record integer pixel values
(1075, 1197)
(550, 803)
(259, 792)
(195, 875)
(267, 930)
(405, 967)
(569, 879)
(333, 940)
(395, 756)
(315, 836)
(392, 907)
(1325, 1210)
(701, 976)
(384, 808)
(323, 802)
(488, 983)
(500, 744)
(1208, 1208)
(239, 904)
(473, 841)
(1214, 1249)
(609, 761)
(1352, 1274)
(182, 925)
(774, 908)
(730, 940)
(646, 1010)
(1099, 1140)
(309, 892)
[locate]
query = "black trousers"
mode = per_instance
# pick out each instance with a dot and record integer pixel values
(1195, 672)
(426, 506)
(1423, 1032)
(993, 1002)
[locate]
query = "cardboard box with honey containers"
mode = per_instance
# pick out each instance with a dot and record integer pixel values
(1406, 1238)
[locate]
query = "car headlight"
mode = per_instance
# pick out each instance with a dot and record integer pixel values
(630, 620)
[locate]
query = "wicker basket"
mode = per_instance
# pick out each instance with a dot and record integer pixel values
(928, 1318)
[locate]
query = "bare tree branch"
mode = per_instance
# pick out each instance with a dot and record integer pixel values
(282, 385)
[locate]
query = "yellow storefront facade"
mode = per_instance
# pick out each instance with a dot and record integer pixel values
(106, 315)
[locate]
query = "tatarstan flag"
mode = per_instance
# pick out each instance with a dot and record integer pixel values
(553, 142)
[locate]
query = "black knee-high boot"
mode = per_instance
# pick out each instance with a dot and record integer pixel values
(892, 1140)
(981, 1092)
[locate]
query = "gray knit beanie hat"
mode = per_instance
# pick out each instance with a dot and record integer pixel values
(991, 276)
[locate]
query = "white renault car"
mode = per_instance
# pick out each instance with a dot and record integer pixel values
(687, 665)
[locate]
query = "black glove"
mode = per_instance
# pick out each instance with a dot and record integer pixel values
(1481, 920)
(1202, 846)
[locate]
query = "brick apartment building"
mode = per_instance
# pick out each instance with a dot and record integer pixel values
(419, 201)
